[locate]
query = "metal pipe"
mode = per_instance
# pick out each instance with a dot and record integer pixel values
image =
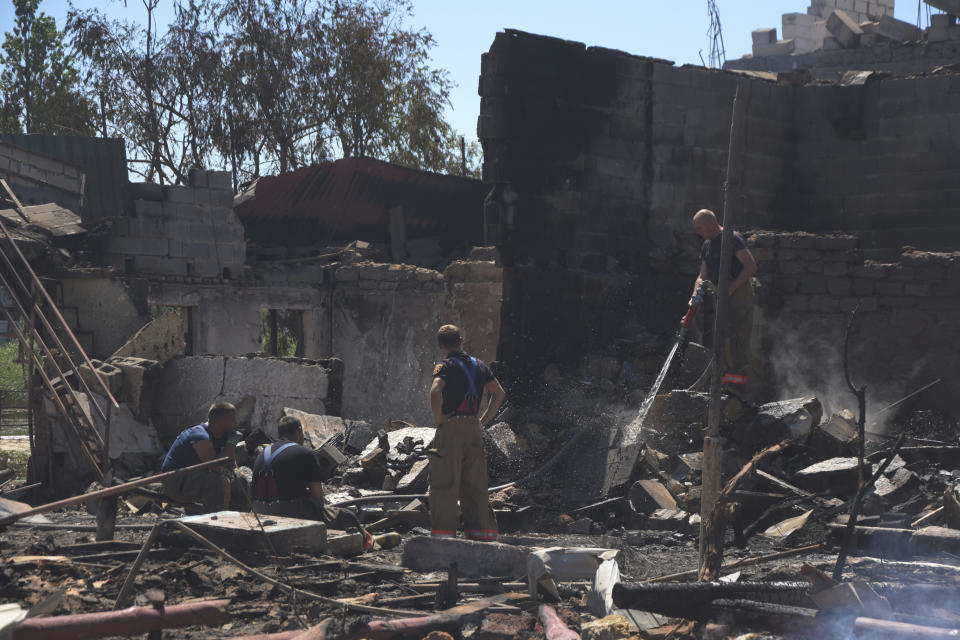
(128, 622)
(124, 594)
(110, 491)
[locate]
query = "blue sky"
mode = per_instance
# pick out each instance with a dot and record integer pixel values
(675, 30)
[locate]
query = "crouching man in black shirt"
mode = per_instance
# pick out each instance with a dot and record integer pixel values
(287, 481)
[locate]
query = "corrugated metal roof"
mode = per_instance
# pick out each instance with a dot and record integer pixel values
(351, 198)
(103, 160)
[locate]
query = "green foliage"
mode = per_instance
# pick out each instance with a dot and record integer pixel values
(289, 328)
(38, 82)
(267, 85)
(13, 374)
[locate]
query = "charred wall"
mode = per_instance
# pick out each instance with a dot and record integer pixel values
(606, 156)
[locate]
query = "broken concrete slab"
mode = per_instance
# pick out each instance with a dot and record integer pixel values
(777, 421)
(838, 475)
(844, 28)
(898, 30)
(235, 530)
(474, 559)
(836, 437)
(129, 438)
(316, 428)
(898, 487)
(416, 478)
(160, 339)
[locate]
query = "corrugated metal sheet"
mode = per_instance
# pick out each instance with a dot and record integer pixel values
(103, 161)
(351, 198)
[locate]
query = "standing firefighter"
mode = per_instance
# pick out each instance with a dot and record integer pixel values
(740, 367)
(458, 466)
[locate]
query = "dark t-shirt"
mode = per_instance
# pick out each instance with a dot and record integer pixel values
(293, 468)
(182, 454)
(454, 372)
(710, 253)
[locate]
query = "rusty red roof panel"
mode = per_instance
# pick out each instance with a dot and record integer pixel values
(350, 195)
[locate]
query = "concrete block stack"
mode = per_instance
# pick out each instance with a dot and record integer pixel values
(943, 26)
(181, 230)
(858, 10)
(809, 32)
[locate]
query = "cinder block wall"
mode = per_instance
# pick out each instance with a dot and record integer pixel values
(611, 154)
(905, 334)
(180, 230)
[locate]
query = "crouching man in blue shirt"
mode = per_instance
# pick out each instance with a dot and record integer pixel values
(216, 489)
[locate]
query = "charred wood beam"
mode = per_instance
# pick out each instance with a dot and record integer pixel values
(685, 599)
(879, 629)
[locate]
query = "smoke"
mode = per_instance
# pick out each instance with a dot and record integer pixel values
(805, 356)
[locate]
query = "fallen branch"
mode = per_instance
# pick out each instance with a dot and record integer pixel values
(746, 562)
(128, 622)
(715, 525)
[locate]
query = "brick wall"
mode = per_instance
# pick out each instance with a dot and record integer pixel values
(185, 230)
(906, 332)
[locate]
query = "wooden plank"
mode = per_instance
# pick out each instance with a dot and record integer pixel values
(655, 491)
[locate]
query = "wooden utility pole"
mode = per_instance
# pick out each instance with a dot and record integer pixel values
(712, 449)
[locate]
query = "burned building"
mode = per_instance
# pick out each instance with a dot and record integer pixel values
(317, 294)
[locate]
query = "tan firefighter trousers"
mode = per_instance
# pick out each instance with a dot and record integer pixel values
(458, 471)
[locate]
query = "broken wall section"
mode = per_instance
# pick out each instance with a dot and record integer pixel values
(181, 230)
(906, 330)
(380, 319)
(260, 387)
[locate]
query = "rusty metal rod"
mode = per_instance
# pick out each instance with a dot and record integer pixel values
(124, 595)
(110, 491)
(128, 622)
